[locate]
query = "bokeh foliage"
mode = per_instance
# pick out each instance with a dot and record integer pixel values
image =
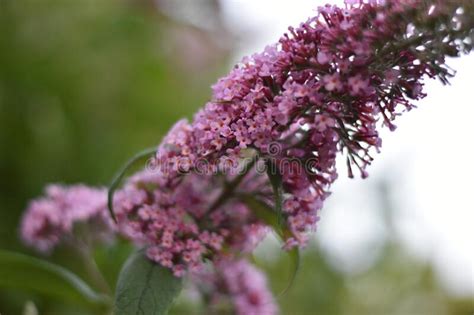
(83, 86)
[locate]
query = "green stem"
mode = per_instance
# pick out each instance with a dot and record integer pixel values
(90, 267)
(230, 187)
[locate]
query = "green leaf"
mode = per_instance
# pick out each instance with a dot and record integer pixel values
(276, 181)
(269, 217)
(28, 273)
(263, 212)
(281, 228)
(294, 255)
(145, 288)
(119, 176)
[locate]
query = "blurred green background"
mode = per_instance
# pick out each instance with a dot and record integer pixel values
(85, 84)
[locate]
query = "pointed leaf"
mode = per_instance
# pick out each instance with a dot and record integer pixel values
(118, 178)
(276, 181)
(294, 255)
(145, 288)
(28, 273)
(269, 217)
(263, 212)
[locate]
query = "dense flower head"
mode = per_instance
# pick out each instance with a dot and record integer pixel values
(238, 284)
(323, 89)
(51, 219)
(178, 222)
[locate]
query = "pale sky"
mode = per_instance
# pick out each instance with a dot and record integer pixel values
(428, 158)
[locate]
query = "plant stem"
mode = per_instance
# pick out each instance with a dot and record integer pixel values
(231, 186)
(90, 267)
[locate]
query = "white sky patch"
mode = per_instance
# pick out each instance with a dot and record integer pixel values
(429, 160)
